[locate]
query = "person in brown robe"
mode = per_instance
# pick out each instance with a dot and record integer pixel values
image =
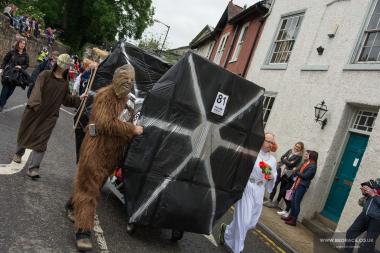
(101, 153)
(42, 111)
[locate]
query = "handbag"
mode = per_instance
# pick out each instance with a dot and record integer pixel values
(290, 193)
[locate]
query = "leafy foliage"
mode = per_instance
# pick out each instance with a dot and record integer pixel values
(94, 21)
(150, 43)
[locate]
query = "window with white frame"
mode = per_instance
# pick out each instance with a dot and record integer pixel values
(239, 44)
(221, 47)
(364, 120)
(267, 107)
(209, 50)
(369, 49)
(285, 38)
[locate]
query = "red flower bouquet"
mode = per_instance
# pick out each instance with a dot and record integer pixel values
(265, 169)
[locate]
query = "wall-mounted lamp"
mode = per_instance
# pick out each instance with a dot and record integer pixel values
(320, 111)
(320, 50)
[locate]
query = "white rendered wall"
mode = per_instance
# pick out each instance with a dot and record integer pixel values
(292, 116)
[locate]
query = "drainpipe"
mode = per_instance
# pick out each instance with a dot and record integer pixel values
(257, 39)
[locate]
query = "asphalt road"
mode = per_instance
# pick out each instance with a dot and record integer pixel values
(32, 215)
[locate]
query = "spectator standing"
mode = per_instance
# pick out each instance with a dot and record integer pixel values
(37, 29)
(43, 55)
(16, 60)
(9, 11)
(49, 36)
(301, 184)
(367, 221)
(289, 161)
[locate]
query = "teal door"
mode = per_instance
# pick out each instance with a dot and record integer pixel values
(345, 176)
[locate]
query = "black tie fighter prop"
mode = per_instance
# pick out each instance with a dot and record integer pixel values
(203, 129)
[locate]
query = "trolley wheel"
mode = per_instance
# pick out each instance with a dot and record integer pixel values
(131, 228)
(176, 235)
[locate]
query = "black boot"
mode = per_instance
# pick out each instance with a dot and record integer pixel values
(83, 240)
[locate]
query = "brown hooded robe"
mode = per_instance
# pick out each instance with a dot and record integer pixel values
(42, 111)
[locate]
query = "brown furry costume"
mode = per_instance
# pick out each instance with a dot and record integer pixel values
(100, 155)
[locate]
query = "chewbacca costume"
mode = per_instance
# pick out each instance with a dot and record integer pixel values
(101, 154)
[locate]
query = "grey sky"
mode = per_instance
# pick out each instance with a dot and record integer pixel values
(187, 18)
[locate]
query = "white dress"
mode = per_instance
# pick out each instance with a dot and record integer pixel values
(248, 208)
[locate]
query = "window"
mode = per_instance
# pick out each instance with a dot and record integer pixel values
(364, 121)
(221, 47)
(285, 39)
(209, 50)
(240, 42)
(268, 104)
(369, 51)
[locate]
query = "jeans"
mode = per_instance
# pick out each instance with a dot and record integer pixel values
(6, 92)
(296, 201)
(363, 223)
(278, 180)
(285, 184)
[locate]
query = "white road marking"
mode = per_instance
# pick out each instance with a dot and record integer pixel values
(98, 231)
(66, 111)
(211, 238)
(13, 168)
(14, 107)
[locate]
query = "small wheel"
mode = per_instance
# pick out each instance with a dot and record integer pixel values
(176, 235)
(131, 228)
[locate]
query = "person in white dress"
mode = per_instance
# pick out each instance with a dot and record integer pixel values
(248, 208)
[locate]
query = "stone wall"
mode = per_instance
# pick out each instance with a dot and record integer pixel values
(8, 39)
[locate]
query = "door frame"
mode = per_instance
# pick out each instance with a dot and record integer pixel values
(342, 148)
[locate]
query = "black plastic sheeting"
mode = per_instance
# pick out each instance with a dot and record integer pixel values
(194, 158)
(148, 68)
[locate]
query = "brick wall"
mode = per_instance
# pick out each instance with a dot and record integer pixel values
(8, 39)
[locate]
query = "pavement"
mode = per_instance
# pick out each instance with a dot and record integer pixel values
(32, 215)
(293, 239)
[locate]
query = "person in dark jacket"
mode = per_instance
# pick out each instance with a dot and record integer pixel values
(15, 60)
(368, 220)
(301, 184)
(45, 65)
(289, 161)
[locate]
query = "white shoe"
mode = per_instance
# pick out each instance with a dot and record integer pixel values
(282, 213)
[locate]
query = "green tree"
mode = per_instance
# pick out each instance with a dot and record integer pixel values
(100, 21)
(95, 21)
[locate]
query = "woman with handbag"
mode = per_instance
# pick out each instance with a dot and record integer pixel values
(15, 62)
(289, 161)
(301, 184)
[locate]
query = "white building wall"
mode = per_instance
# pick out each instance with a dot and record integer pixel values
(292, 116)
